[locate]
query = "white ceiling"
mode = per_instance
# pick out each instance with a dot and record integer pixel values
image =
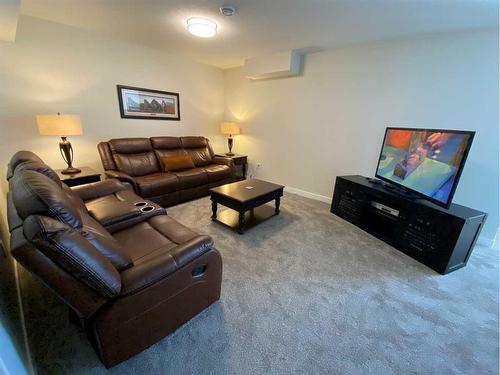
(260, 27)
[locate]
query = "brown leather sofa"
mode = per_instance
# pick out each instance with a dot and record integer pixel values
(131, 276)
(137, 161)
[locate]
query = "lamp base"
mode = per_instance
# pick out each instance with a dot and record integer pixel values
(71, 170)
(230, 154)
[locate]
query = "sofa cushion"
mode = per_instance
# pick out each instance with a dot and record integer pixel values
(218, 172)
(75, 254)
(191, 178)
(177, 163)
(134, 156)
(194, 142)
(157, 184)
(20, 157)
(162, 234)
(166, 143)
(130, 145)
(104, 242)
(199, 150)
(40, 168)
(136, 164)
(36, 194)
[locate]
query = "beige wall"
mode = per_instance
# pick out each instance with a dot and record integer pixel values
(330, 121)
(55, 68)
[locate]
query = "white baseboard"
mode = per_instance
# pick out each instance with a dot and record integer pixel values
(308, 194)
(482, 240)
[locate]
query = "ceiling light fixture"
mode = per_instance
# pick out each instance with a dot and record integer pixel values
(202, 27)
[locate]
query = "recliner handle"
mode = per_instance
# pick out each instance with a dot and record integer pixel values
(199, 271)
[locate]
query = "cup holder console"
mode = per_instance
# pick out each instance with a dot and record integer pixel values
(140, 204)
(147, 208)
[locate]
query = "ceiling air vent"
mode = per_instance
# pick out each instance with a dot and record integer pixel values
(227, 10)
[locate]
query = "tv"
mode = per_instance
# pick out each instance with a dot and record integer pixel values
(427, 162)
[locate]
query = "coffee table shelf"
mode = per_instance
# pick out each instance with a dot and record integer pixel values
(230, 218)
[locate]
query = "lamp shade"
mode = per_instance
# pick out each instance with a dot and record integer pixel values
(61, 125)
(231, 128)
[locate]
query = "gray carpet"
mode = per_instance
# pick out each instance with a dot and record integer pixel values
(304, 293)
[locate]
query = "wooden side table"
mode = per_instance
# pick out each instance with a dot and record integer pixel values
(86, 176)
(241, 163)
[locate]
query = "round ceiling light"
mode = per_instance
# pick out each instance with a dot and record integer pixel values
(202, 27)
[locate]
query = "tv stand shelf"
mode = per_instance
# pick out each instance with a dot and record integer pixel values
(442, 239)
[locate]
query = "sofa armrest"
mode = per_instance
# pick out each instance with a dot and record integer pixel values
(99, 189)
(123, 177)
(144, 274)
(223, 160)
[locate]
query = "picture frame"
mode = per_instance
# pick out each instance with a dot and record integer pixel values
(141, 103)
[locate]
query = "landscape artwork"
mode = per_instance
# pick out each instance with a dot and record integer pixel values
(139, 103)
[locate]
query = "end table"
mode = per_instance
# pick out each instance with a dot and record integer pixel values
(241, 163)
(86, 176)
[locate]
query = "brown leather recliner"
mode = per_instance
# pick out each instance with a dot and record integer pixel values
(137, 161)
(130, 285)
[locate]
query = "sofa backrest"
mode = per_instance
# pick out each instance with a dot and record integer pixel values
(199, 149)
(54, 237)
(134, 156)
(35, 194)
(21, 157)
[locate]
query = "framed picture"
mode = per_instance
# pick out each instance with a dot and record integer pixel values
(136, 102)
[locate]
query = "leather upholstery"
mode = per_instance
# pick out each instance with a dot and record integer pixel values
(217, 172)
(157, 184)
(20, 157)
(106, 156)
(134, 156)
(130, 282)
(36, 194)
(130, 160)
(39, 167)
(82, 299)
(13, 219)
(67, 247)
(104, 243)
(191, 178)
(166, 143)
(99, 189)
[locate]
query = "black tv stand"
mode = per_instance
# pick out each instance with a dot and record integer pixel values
(442, 239)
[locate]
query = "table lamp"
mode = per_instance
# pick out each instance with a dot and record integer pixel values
(230, 128)
(62, 126)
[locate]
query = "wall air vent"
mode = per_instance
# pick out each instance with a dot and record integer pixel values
(277, 65)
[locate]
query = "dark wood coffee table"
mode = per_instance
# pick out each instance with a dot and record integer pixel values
(247, 202)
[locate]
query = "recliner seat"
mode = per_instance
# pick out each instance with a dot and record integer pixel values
(130, 287)
(137, 161)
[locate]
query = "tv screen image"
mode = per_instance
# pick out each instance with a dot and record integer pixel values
(426, 161)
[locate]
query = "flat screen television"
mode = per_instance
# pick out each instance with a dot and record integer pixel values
(427, 162)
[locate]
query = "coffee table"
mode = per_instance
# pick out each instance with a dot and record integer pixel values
(246, 201)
